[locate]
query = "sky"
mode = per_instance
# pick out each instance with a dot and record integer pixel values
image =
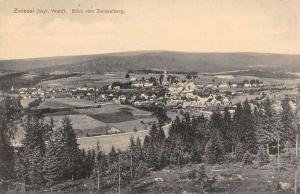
(270, 26)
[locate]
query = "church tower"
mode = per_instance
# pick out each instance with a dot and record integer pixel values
(165, 80)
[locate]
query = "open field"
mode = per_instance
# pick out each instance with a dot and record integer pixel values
(58, 103)
(119, 141)
(114, 117)
(82, 124)
(22, 80)
(90, 125)
(91, 79)
(113, 108)
(137, 124)
(207, 78)
(89, 120)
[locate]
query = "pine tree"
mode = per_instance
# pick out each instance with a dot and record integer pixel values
(34, 150)
(188, 133)
(214, 149)
(141, 169)
(157, 135)
(10, 110)
(237, 125)
(178, 153)
(175, 127)
(269, 125)
(161, 113)
(289, 128)
(154, 148)
(6, 153)
(146, 147)
(113, 155)
(72, 155)
(227, 132)
(249, 129)
(54, 158)
(102, 164)
(89, 163)
(200, 138)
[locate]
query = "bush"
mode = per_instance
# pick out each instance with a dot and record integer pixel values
(239, 151)
(141, 169)
(289, 157)
(262, 156)
(247, 158)
(230, 158)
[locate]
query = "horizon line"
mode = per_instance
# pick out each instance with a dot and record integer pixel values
(149, 51)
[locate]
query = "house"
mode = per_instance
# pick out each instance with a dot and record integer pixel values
(233, 85)
(132, 79)
(138, 84)
(247, 85)
(190, 95)
(144, 96)
(116, 87)
(240, 85)
(172, 103)
(84, 89)
(254, 85)
(223, 86)
(122, 98)
(116, 100)
(141, 103)
(175, 89)
(113, 130)
(148, 84)
(189, 87)
(210, 85)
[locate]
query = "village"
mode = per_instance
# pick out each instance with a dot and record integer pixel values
(174, 92)
(127, 106)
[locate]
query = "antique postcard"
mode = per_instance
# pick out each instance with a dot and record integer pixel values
(149, 96)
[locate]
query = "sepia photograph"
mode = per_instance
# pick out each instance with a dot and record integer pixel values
(149, 96)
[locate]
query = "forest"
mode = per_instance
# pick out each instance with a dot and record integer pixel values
(50, 154)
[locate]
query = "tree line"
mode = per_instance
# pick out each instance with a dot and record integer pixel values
(50, 153)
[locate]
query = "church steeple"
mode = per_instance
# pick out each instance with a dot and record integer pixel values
(165, 80)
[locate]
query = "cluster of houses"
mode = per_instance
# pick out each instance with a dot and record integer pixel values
(243, 84)
(146, 92)
(183, 95)
(49, 92)
(40, 92)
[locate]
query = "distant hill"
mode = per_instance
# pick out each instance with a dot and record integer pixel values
(179, 61)
(259, 74)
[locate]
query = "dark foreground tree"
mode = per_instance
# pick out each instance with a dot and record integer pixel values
(54, 158)
(10, 110)
(214, 149)
(72, 156)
